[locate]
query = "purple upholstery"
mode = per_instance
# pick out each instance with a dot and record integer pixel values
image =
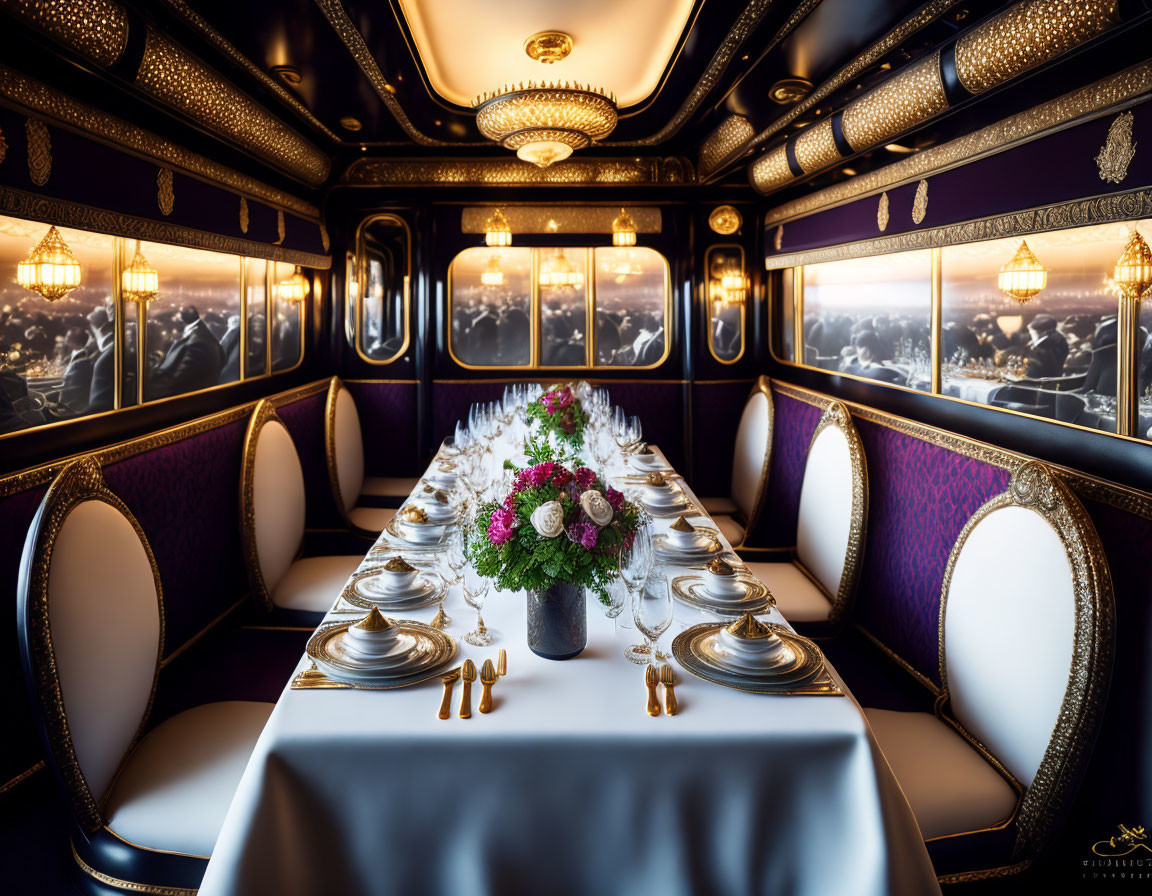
(305, 422)
(716, 410)
(388, 421)
(450, 403)
(187, 498)
(795, 421)
(920, 497)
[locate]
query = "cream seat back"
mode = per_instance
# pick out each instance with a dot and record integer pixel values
(833, 506)
(345, 446)
(91, 631)
(273, 500)
(1027, 620)
(753, 452)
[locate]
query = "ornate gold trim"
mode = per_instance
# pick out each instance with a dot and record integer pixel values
(764, 386)
(1037, 487)
(582, 172)
(362, 281)
(78, 482)
(919, 203)
(130, 886)
(22, 777)
(986, 874)
(1127, 206)
(165, 194)
(335, 386)
(1118, 150)
(263, 413)
(882, 212)
(1080, 105)
(39, 151)
(243, 215)
(728, 136)
(32, 206)
(27, 95)
(97, 29)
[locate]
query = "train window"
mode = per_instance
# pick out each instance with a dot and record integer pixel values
(786, 340)
(289, 290)
(1144, 359)
(382, 279)
(727, 290)
(1052, 354)
(256, 313)
(524, 307)
(870, 317)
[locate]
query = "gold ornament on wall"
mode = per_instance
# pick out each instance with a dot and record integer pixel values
(1118, 150)
(243, 215)
(324, 241)
(725, 220)
(165, 194)
(882, 212)
(39, 151)
(920, 202)
(279, 227)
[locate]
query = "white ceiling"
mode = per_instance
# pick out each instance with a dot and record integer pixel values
(468, 47)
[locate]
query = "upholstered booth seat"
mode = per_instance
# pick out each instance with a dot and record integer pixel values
(388, 486)
(312, 583)
(174, 791)
(736, 513)
(798, 597)
(951, 788)
(371, 519)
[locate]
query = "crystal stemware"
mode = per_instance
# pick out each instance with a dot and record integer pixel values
(652, 612)
(476, 588)
(635, 565)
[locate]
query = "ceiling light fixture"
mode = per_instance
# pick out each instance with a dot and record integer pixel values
(140, 282)
(497, 230)
(50, 269)
(558, 272)
(1023, 278)
(295, 288)
(545, 122)
(789, 90)
(548, 46)
(624, 230)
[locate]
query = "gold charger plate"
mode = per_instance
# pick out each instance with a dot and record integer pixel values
(433, 649)
(689, 590)
(401, 543)
(355, 595)
(677, 555)
(806, 676)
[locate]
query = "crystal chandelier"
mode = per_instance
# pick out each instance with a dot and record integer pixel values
(544, 123)
(492, 275)
(497, 231)
(558, 272)
(1133, 272)
(50, 269)
(1023, 277)
(295, 288)
(624, 230)
(140, 282)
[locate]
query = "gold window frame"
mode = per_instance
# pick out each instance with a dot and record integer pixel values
(718, 247)
(590, 311)
(360, 260)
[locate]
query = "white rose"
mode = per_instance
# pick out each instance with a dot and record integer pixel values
(548, 519)
(597, 508)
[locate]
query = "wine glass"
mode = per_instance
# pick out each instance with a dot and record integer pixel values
(617, 598)
(450, 567)
(652, 612)
(476, 588)
(635, 565)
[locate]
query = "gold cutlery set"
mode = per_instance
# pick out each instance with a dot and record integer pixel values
(667, 677)
(488, 676)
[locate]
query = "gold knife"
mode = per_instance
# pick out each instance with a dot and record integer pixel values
(487, 679)
(651, 679)
(466, 698)
(668, 679)
(449, 682)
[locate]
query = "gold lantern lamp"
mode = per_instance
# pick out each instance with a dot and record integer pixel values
(1132, 277)
(50, 269)
(1133, 272)
(624, 230)
(295, 288)
(497, 231)
(492, 275)
(1024, 277)
(140, 282)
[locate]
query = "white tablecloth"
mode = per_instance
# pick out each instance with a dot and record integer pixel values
(567, 787)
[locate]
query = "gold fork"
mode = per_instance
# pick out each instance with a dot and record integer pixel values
(668, 679)
(651, 679)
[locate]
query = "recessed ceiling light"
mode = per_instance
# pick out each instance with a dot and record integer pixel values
(789, 90)
(896, 147)
(390, 88)
(289, 74)
(849, 171)
(350, 124)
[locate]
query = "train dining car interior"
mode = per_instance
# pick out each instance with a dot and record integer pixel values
(677, 447)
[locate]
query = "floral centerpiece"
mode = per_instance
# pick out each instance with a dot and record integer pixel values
(557, 532)
(559, 412)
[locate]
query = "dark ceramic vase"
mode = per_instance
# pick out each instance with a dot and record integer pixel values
(557, 621)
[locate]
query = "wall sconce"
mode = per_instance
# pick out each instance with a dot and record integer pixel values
(50, 269)
(623, 230)
(497, 231)
(1023, 278)
(295, 288)
(140, 282)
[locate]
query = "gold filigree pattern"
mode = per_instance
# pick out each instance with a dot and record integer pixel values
(1034, 485)
(39, 151)
(79, 481)
(335, 387)
(21, 204)
(1118, 150)
(882, 212)
(816, 147)
(27, 94)
(176, 78)
(770, 170)
(244, 217)
(97, 29)
(165, 193)
(764, 387)
(732, 133)
(1027, 35)
(903, 101)
(920, 202)
(510, 172)
(560, 219)
(263, 413)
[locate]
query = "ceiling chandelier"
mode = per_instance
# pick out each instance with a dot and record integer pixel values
(558, 271)
(624, 230)
(50, 269)
(140, 282)
(1023, 277)
(492, 275)
(1133, 272)
(545, 122)
(497, 230)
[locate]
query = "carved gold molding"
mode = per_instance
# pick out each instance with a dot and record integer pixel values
(1118, 150)
(560, 219)
(732, 133)
(920, 202)
(512, 172)
(32, 206)
(24, 94)
(165, 194)
(1085, 103)
(39, 151)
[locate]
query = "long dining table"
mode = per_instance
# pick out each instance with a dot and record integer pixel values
(568, 786)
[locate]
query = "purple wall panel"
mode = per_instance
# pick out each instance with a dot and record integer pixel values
(388, 421)
(920, 497)
(305, 421)
(795, 421)
(716, 410)
(187, 498)
(450, 403)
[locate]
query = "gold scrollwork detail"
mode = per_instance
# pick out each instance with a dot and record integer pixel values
(1118, 150)
(165, 192)
(920, 202)
(732, 133)
(511, 172)
(882, 212)
(279, 228)
(39, 151)
(244, 216)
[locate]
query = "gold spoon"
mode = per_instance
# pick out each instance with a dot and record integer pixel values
(466, 698)
(487, 679)
(651, 679)
(449, 681)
